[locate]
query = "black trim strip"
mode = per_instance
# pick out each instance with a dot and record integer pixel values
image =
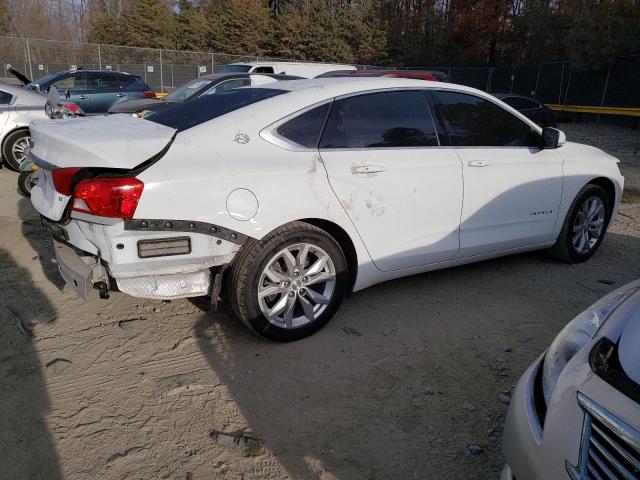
(159, 225)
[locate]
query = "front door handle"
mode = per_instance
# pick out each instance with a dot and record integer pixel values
(479, 163)
(367, 169)
(82, 97)
(120, 94)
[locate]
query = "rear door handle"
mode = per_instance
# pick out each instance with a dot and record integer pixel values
(366, 169)
(120, 95)
(82, 97)
(479, 163)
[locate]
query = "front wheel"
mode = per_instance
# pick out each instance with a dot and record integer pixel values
(584, 226)
(289, 284)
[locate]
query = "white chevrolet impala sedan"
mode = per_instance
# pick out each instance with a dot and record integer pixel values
(289, 196)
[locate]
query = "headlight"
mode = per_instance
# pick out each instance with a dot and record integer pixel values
(577, 333)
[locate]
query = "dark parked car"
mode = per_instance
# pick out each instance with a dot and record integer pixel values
(530, 108)
(204, 85)
(94, 91)
(432, 75)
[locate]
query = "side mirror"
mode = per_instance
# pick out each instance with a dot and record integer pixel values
(553, 138)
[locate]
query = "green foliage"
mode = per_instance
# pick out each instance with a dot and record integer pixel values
(378, 32)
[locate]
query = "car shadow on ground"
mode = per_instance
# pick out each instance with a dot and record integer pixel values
(26, 447)
(40, 240)
(408, 373)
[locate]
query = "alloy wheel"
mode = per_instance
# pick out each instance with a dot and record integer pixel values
(296, 285)
(21, 148)
(588, 225)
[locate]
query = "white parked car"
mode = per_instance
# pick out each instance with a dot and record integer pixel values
(17, 108)
(306, 70)
(309, 190)
(575, 414)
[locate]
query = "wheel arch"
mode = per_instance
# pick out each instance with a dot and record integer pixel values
(345, 242)
(609, 187)
(14, 130)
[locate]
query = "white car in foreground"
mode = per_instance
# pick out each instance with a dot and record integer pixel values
(310, 189)
(17, 108)
(575, 413)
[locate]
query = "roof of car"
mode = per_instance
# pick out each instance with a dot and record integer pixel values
(217, 76)
(342, 85)
(507, 94)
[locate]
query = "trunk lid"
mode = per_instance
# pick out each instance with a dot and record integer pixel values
(113, 141)
(119, 142)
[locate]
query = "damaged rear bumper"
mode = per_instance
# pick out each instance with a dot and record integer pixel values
(85, 273)
(144, 263)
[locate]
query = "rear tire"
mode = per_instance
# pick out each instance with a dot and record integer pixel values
(585, 225)
(15, 148)
(290, 283)
(26, 181)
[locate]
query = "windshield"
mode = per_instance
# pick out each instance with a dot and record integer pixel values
(183, 116)
(187, 90)
(236, 68)
(42, 81)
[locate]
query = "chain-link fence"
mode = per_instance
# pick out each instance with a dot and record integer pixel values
(557, 83)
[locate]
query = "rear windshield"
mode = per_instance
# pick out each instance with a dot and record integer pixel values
(236, 68)
(183, 116)
(187, 90)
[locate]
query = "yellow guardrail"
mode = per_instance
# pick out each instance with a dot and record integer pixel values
(631, 112)
(161, 94)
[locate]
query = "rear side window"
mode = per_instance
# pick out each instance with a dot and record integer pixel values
(305, 129)
(380, 120)
(520, 103)
(263, 70)
(5, 98)
(183, 116)
(126, 80)
(475, 122)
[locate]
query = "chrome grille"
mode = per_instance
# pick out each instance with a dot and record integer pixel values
(610, 447)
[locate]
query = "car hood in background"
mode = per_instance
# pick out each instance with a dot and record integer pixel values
(133, 106)
(110, 141)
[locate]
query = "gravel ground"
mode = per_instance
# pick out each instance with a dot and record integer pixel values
(410, 380)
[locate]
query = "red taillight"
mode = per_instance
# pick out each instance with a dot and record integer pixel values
(71, 107)
(62, 179)
(108, 197)
(149, 94)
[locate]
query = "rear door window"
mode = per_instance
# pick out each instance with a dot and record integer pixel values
(473, 121)
(103, 81)
(304, 130)
(392, 119)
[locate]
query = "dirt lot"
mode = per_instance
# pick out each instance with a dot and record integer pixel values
(404, 378)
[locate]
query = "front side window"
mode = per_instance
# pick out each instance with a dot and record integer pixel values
(304, 130)
(228, 85)
(5, 98)
(380, 120)
(69, 82)
(476, 122)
